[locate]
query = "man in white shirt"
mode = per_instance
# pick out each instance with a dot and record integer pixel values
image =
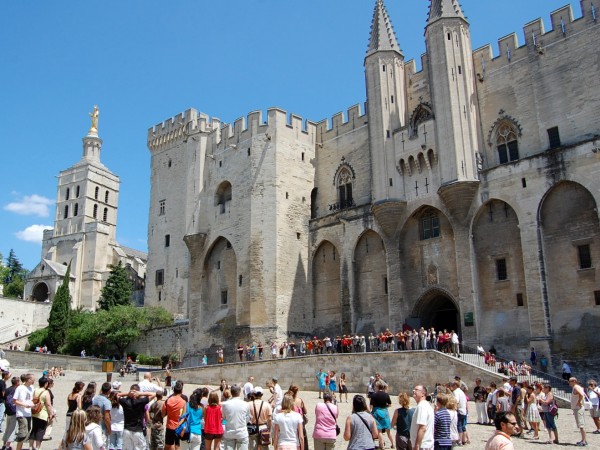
(23, 399)
(248, 387)
(236, 413)
(277, 395)
(461, 399)
(455, 344)
(421, 427)
(148, 384)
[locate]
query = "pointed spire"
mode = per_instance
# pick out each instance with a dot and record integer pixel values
(382, 37)
(439, 9)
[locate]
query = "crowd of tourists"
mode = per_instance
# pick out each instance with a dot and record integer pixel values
(154, 415)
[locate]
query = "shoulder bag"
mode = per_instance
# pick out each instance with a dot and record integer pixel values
(337, 427)
(37, 403)
(253, 427)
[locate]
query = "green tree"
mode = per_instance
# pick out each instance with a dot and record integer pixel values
(15, 268)
(14, 288)
(84, 333)
(60, 315)
(118, 288)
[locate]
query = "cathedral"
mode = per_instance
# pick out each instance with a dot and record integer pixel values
(84, 234)
(463, 195)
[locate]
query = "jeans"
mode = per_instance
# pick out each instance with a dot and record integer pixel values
(236, 444)
(116, 440)
(2, 409)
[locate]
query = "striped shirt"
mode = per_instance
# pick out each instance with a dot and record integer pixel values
(441, 431)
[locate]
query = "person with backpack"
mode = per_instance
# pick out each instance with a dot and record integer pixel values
(10, 415)
(42, 413)
(157, 424)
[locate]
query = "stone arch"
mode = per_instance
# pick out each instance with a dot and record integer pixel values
(223, 196)
(427, 260)
(40, 292)
(327, 304)
(421, 113)
(219, 282)
(503, 314)
(570, 235)
(371, 307)
(436, 308)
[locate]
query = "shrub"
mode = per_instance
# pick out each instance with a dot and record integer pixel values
(149, 360)
(38, 338)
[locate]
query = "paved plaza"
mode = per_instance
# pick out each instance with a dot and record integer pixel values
(479, 434)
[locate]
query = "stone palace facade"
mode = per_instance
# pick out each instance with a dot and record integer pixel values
(463, 196)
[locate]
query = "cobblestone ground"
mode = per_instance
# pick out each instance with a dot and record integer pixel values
(479, 434)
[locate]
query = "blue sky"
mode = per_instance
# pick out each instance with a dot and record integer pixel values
(142, 62)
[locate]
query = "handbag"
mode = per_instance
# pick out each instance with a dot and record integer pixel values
(337, 428)
(264, 436)
(553, 408)
(183, 428)
(37, 403)
(587, 403)
(253, 427)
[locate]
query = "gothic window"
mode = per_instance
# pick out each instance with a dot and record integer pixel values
(95, 211)
(96, 193)
(66, 214)
(344, 186)
(105, 215)
(106, 197)
(223, 196)
(420, 114)
(67, 194)
(161, 207)
(76, 209)
(430, 226)
(506, 141)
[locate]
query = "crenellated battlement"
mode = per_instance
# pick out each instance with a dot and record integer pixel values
(340, 123)
(536, 38)
(179, 127)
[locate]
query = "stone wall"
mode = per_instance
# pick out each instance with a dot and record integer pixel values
(161, 341)
(24, 317)
(42, 361)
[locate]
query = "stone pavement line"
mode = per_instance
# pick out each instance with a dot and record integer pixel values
(568, 434)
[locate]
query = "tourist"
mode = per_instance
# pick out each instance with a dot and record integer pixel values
(288, 433)
(506, 426)
(93, 430)
(461, 400)
(195, 412)
(321, 376)
(260, 414)
(441, 424)
(75, 437)
(451, 406)
(566, 371)
(10, 432)
(236, 414)
(300, 409)
(150, 384)
(380, 402)
(102, 401)
(248, 387)
(324, 434)
(545, 401)
(480, 397)
(577, 397)
(74, 400)
(213, 423)
(5, 375)
(343, 387)
(421, 428)
(360, 429)
(134, 405)
(117, 423)
(277, 397)
(333, 385)
(23, 399)
(41, 419)
(88, 395)
(594, 396)
(532, 414)
(401, 421)
(172, 409)
(157, 423)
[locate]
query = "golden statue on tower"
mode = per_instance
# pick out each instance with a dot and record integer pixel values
(94, 116)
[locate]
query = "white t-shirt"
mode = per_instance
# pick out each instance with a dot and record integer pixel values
(288, 427)
(248, 389)
(24, 394)
(147, 386)
(94, 436)
(454, 425)
(278, 395)
(117, 419)
(237, 414)
(423, 416)
(461, 398)
(593, 396)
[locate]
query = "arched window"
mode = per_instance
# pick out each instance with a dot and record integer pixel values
(68, 194)
(344, 187)
(75, 209)
(96, 193)
(105, 215)
(223, 196)
(507, 143)
(66, 214)
(422, 113)
(429, 226)
(106, 197)
(77, 192)
(95, 211)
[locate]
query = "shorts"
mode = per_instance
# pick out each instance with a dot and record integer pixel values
(462, 423)
(171, 438)
(157, 438)
(595, 411)
(343, 389)
(579, 417)
(23, 428)
(212, 437)
(38, 429)
(10, 433)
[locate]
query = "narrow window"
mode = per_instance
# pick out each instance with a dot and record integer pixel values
(391, 182)
(520, 300)
(96, 193)
(220, 163)
(167, 240)
(159, 277)
(218, 265)
(169, 164)
(240, 279)
(387, 133)
(77, 192)
(248, 151)
(176, 272)
(524, 182)
(302, 156)
(287, 196)
(106, 197)
(392, 99)
(459, 70)
(597, 297)
(76, 210)
(385, 285)
(383, 67)
(449, 37)
(67, 194)
(223, 297)
(554, 137)
(298, 236)
(501, 273)
(585, 256)
(161, 207)
(66, 214)
(430, 226)
(159, 296)
(95, 211)
(105, 215)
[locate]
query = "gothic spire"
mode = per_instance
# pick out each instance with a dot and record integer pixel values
(382, 33)
(439, 9)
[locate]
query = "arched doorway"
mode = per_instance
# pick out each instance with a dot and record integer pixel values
(327, 307)
(40, 292)
(436, 309)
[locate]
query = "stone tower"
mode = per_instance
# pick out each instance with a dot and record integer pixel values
(386, 102)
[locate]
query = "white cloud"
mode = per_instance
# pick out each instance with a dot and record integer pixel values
(33, 233)
(31, 205)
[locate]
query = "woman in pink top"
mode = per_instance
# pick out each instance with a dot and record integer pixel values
(324, 434)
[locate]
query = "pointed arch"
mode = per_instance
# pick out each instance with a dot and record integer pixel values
(327, 305)
(420, 114)
(223, 197)
(504, 137)
(220, 281)
(343, 181)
